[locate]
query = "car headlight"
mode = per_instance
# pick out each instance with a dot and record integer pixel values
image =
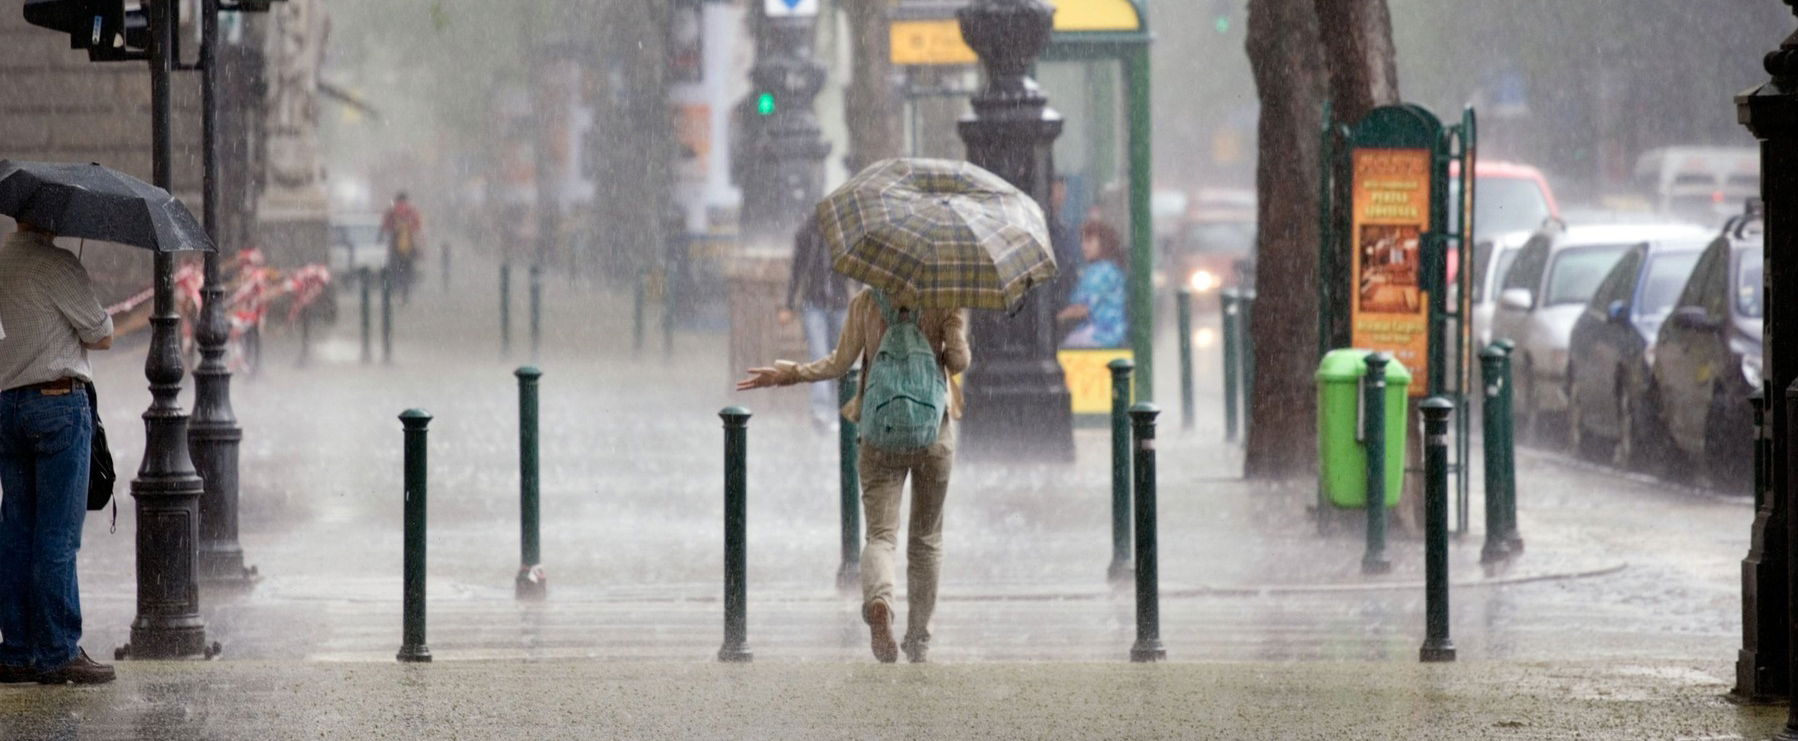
(1751, 369)
(1203, 281)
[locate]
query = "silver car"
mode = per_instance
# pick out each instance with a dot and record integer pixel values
(1543, 294)
(1491, 260)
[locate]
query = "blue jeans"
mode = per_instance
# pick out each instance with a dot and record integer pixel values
(44, 453)
(822, 328)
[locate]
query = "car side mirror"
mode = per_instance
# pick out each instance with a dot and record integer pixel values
(1617, 312)
(1515, 298)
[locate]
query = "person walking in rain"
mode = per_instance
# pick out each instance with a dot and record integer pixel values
(821, 298)
(884, 471)
(400, 228)
(52, 319)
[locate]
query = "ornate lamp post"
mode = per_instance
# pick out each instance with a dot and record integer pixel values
(166, 490)
(1018, 404)
(780, 168)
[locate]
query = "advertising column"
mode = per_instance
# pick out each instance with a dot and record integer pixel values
(1390, 310)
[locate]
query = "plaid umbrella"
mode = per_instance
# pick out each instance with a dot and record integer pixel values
(938, 234)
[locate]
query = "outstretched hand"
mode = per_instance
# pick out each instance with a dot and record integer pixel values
(759, 378)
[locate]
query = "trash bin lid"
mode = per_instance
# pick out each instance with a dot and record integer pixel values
(1350, 364)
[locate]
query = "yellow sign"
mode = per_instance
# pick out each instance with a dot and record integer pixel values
(930, 42)
(1390, 310)
(1096, 15)
(1089, 380)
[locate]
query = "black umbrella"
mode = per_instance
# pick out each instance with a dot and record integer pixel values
(95, 202)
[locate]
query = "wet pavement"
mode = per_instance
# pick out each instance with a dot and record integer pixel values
(1620, 571)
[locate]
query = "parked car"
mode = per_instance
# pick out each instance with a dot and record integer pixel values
(1508, 197)
(1544, 292)
(1707, 357)
(1491, 260)
(1213, 246)
(354, 244)
(1615, 334)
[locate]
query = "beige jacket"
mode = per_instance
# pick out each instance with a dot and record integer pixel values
(946, 330)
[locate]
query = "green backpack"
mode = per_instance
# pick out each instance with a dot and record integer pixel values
(906, 394)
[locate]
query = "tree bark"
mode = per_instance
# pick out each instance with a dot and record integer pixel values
(874, 114)
(1289, 80)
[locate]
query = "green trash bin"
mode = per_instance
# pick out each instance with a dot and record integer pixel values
(1341, 456)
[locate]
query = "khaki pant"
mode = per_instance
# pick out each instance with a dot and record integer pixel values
(883, 484)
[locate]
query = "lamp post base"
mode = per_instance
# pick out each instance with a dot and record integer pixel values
(1442, 653)
(1148, 651)
(735, 654)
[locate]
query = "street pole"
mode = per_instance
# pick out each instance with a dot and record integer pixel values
(1765, 664)
(167, 489)
(1011, 132)
(214, 435)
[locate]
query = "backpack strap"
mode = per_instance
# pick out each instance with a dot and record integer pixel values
(886, 308)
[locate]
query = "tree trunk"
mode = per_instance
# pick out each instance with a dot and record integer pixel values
(1289, 80)
(874, 113)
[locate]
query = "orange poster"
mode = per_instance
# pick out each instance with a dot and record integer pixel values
(1390, 310)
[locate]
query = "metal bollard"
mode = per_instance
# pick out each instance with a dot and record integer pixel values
(386, 315)
(367, 354)
(638, 299)
(305, 336)
(1246, 328)
(1232, 320)
(532, 583)
(444, 257)
(1120, 469)
(536, 310)
(1493, 424)
(1183, 310)
(1507, 398)
(412, 645)
(1373, 434)
(505, 308)
(1436, 644)
(1148, 581)
(850, 486)
(736, 577)
(1762, 442)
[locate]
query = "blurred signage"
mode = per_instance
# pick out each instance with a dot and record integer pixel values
(1089, 377)
(1096, 15)
(926, 42)
(790, 8)
(1390, 311)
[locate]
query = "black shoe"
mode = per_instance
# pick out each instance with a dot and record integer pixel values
(79, 670)
(917, 650)
(880, 631)
(10, 674)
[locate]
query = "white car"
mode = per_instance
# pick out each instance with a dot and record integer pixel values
(1491, 260)
(355, 244)
(1543, 294)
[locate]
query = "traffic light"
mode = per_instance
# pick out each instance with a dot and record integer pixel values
(764, 104)
(104, 28)
(1220, 16)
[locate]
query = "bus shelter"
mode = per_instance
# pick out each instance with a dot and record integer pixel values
(1095, 72)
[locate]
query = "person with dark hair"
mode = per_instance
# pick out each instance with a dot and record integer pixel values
(820, 296)
(1098, 299)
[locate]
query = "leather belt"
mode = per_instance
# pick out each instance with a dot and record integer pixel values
(58, 387)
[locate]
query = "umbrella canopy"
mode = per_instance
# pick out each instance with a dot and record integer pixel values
(938, 234)
(95, 202)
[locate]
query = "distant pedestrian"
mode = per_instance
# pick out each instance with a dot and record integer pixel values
(52, 319)
(884, 467)
(821, 298)
(1098, 301)
(401, 229)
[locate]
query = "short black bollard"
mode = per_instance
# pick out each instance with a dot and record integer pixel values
(368, 355)
(536, 310)
(305, 336)
(1120, 469)
(1245, 329)
(1757, 399)
(849, 482)
(1436, 644)
(1508, 398)
(412, 645)
(505, 308)
(1373, 434)
(386, 315)
(1493, 425)
(444, 266)
(532, 583)
(1232, 320)
(1183, 310)
(736, 576)
(1148, 580)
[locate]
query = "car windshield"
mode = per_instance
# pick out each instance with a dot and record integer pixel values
(1576, 272)
(1221, 236)
(1750, 291)
(1501, 205)
(1667, 274)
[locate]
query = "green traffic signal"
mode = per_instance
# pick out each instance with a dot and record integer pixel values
(764, 104)
(1222, 24)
